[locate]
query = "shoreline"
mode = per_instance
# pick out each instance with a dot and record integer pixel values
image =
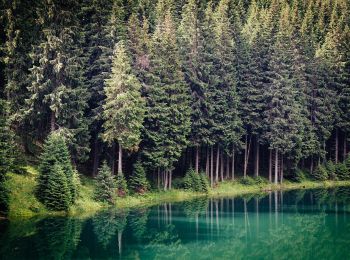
(24, 205)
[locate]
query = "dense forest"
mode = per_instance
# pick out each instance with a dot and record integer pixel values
(229, 88)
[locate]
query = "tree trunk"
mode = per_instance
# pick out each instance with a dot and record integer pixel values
(282, 168)
(222, 166)
(120, 158)
(256, 172)
(165, 180)
(158, 181)
(207, 164)
(217, 164)
(113, 159)
(276, 166)
(270, 165)
(336, 146)
(227, 167)
(211, 166)
(233, 163)
(96, 157)
(312, 165)
(246, 158)
(197, 159)
(345, 146)
(170, 179)
(52, 121)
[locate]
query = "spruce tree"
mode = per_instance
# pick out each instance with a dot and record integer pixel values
(138, 180)
(167, 123)
(57, 94)
(55, 152)
(106, 184)
(123, 109)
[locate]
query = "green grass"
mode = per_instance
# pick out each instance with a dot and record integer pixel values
(23, 203)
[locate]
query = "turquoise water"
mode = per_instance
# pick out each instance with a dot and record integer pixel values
(279, 225)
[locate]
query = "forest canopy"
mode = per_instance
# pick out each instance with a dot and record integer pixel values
(228, 87)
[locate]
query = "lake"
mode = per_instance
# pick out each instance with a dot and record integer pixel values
(302, 224)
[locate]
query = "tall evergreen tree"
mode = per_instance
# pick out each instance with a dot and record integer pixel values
(123, 109)
(167, 118)
(56, 93)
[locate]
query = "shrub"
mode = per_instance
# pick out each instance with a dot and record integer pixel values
(320, 173)
(192, 181)
(330, 167)
(122, 187)
(204, 182)
(342, 172)
(178, 183)
(260, 180)
(300, 175)
(106, 185)
(247, 181)
(138, 181)
(347, 162)
(54, 160)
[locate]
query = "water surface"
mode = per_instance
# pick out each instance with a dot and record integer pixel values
(278, 225)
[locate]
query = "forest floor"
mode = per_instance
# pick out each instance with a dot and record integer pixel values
(23, 203)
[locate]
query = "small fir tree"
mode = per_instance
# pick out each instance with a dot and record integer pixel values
(59, 194)
(55, 152)
(342, 172)
(106, 185)
(122, 187)
(138, 181)
(320, 173)
(330, 167)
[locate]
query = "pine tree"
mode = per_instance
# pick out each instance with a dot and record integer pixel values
(55, 152)
(167, 123)
(5, 155)
(123, 109)
(56, 92)
(138, 181)
(106, 184)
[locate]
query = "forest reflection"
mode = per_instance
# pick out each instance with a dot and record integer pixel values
(296, 224)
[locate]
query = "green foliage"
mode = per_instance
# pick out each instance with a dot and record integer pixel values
(55, 165)
(106, 184)
(138, 181)
(347, 162)
(331, 169)
(342, 171)
(253, 181)
(122, 186)
(320, 173)
(300, 175)
(58, 193)
(196, 181)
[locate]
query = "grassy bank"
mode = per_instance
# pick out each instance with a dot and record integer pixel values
(23, 203)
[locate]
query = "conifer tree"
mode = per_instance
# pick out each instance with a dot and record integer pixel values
(55, 153)
(106, 184)
(167, 122)
(56, 91)
(123, 109)
(138, 180)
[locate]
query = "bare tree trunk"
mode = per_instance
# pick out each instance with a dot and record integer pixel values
(52, 121)
(170, 179)
(246, 159)
(312, 165)
(270, 165)
(120, 158)
(217, 164)
(282, 168)
(96, 157)
(120, 234)
(345, 146)
(233, 162)
(336, 146)
(197, 159)
(113, 159)
(211, 166)
(227, 167)
(207, 164)
(245, 156)
(165, 180)
(256, 172)
(276, 166)
(222, 166)
(158, 181)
